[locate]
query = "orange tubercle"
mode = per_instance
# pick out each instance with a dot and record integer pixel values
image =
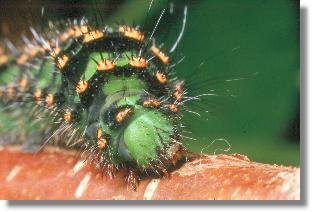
(151, 103)
(122, 115)
(67, 116)
(82, 86)
(161, 77)
(138, 62)
(37, 95)
(93, 35)
(130, 32)
(162, 56)
(99, 133)
(174, 108)
(78, 31)
(55, 52)
(10, 91)
(62, 61)
(178, 95)
(106, 65)
(84, 29)
(23, 84)
(3, 59)
(22, 59)
(101, 141)
(65, 36)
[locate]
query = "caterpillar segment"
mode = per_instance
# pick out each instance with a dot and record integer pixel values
(26, 81)
(3, 59)
(106, 94)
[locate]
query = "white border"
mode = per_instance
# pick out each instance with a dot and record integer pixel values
(4, 205)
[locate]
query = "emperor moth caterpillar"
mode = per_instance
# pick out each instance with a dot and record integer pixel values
(109, 91)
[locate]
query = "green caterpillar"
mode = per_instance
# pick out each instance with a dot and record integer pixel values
(110, 92)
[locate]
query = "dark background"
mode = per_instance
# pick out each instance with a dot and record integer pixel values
(254, 40)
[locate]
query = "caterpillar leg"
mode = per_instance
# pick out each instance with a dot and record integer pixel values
(132, 179)
(165, 173)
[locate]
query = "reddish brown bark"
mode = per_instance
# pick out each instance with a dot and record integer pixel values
(59, 174)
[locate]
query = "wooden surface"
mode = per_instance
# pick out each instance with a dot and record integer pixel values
(59, 174)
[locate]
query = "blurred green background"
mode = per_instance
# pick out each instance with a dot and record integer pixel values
(256, 40)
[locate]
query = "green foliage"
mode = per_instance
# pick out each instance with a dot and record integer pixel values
(235, 38)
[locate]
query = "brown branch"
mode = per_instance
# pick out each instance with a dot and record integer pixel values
(59, 174)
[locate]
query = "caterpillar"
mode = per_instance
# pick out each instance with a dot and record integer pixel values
(109, 91)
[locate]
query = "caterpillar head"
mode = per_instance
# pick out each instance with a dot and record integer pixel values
(139, 128)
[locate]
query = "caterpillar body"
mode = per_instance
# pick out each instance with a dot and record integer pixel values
(110, 92)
